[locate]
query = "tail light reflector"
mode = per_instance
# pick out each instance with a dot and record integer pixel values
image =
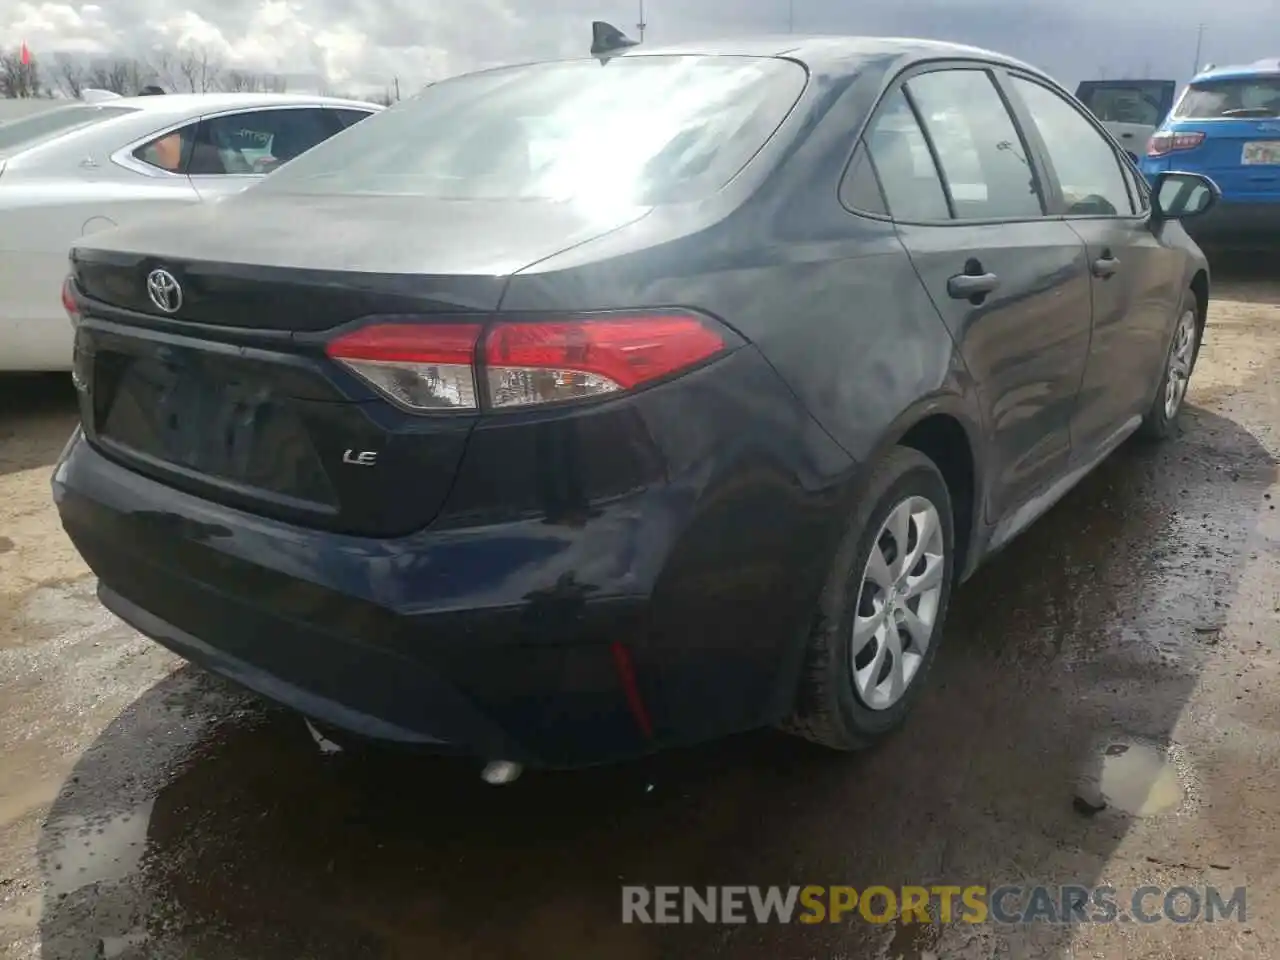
(1162, 144)
(418, 365)
(69, 301)
(427, 366)
(532, 363)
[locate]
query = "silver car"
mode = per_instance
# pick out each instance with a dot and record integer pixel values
(77, 169)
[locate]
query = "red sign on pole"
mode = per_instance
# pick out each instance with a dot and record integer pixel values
(25, 54)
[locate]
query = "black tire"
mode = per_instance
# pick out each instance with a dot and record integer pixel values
(1157, 424)
(829, 710)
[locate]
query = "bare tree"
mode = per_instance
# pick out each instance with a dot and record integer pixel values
(113, 75)
(18, 79)
(164, 67)
(69, 75)
(244, 81)
(200, 70)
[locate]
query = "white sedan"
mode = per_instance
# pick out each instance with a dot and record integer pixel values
(73, 170)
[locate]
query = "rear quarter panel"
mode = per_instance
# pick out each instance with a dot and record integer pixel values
(831, 304)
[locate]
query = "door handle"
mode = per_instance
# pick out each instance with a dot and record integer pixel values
(1127, 136)
(1105, 266)
(966, 286)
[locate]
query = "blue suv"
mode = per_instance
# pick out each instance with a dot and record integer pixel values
(1226, 125)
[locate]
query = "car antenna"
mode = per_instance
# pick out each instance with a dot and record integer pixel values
(608, 41)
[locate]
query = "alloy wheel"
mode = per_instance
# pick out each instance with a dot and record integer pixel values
(898, 603)
(1181, 357)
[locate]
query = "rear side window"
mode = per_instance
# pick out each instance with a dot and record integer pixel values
(1135, 102)
(170, 151)
(645, 129)
(1243, 97)
(980, 150)
(860, 190)
(27, 132)
(908, 176)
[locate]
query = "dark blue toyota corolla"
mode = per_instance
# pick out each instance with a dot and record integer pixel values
(573, 410)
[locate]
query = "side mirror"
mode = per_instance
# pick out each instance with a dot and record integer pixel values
(1176, 196)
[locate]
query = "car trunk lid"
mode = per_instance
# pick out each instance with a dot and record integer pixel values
(230, 395)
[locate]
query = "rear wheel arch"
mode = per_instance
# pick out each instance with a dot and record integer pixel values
(1200, 287)
(943, 439)
(943, 430)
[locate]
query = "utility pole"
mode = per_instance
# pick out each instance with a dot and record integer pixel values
(397, 89)
(641, 24)
(1195, 67)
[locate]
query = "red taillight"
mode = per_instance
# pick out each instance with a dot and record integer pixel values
(529, 363)
(425, 366)
(1162, 144)
(69, 301)
(419, 365)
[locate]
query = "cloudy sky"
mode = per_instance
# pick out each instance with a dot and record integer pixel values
(356, 43)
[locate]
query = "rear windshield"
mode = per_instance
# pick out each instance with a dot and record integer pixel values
(27, 132)
(642, 129)
(1243, 97)
(1130, 102)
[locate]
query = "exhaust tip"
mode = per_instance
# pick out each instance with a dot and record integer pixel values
(500, 772)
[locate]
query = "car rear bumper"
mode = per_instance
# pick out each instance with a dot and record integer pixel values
(655, 618)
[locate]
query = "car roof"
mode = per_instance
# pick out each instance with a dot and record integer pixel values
(188, 103)
(1259, 68)
(823, 51)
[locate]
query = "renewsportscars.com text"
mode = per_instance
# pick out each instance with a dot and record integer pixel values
(918, 904)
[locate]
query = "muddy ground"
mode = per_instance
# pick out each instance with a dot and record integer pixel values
(149, 811)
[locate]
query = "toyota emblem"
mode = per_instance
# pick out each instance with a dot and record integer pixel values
(164, 291)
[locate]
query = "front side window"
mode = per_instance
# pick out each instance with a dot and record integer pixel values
(1137, 188)
(644, 129)
(912, 188)
(1087, 166)
(1242, 97)
(982, 155)
(258, 141)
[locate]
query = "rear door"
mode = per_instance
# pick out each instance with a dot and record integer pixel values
(1011, 284)
(1131, 110)
(1136, 280)
(233, 150)
(1240, 120)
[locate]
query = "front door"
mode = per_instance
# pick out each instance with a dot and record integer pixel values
(1135, 279)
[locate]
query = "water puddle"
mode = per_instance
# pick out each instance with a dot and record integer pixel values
(89, 850)
(1130, 777)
